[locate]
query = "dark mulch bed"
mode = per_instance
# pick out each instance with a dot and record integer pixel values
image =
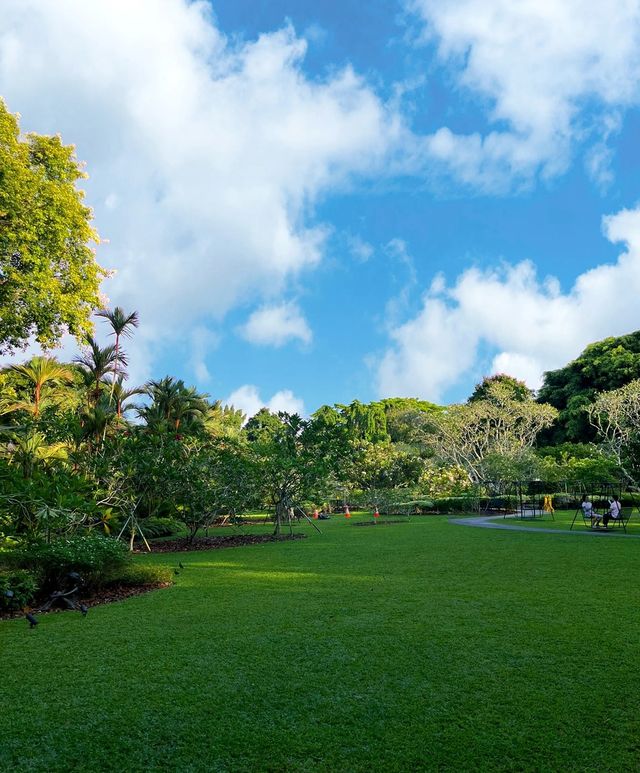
(213, 543)
(380, 523)
(104, 596)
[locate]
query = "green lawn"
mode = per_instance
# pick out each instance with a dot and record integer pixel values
(562, 520)
(421, 645)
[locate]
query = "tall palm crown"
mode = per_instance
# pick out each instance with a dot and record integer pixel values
(96, 362)
(122, 325)
(173, 402)
(40, 371)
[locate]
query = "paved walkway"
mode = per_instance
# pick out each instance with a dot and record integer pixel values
(499, 522)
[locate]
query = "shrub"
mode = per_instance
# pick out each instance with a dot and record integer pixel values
(468, 504)
(93, 557)
(160, 527)
(19, 582)
(22, 584)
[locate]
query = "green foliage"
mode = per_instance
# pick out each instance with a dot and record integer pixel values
(616, 417)
(295, 460)
(49, 279)
(513, 387)
(21, 583)
(263, 426)
(160, 527)
(42, 377)
(477, 434)
(444, 481)
(578, 464)
(401, 414)
(380, 465)
(602, 366)
(463, 504)
(174, 407)
(365, 422)
(93, 557)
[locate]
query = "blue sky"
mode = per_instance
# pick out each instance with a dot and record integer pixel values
(316, 202)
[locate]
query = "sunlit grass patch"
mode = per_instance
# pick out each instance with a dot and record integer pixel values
(421, 645)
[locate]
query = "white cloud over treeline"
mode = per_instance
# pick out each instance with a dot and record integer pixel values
(530, 323)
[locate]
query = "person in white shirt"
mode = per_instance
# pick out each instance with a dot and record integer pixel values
(614, 511)
(589, 512)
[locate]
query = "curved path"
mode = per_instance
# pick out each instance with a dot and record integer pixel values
(498, 522)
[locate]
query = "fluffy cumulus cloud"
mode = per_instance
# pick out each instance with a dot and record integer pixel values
(248, 399)
(530, 324)
(535, 66)
(275, 325)
(205, 155)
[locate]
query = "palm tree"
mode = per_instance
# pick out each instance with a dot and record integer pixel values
(223, 421)
(39, 371)
(96, 363)
(32, 449)
(121, 395)
(94, 420)
(122, 325)
(173, 403)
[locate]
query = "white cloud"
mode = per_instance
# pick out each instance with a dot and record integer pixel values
(360, 249)
(206, 156)
(537, 64)
(275, 325)
(285, 400)
(202, 342)
(247, 398)
(531, 324)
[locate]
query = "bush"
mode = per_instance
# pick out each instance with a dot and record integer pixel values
(139, 574)
(160, 527)
(468, 504)
(94, 558)
(22, 584)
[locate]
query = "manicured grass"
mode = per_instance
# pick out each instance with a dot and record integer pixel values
(421, 645)
(562, 519)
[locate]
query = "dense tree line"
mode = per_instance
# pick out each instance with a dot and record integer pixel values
(82, 450)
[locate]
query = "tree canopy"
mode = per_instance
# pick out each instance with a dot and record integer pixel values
(602, 366)
(49, 278)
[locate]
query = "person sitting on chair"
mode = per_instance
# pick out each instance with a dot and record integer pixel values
(590, 513)
(614, 511)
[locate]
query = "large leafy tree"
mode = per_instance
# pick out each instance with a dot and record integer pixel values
(49, 278)
(603, 366)
(516, 388)
(615, 415)
(472, 435)
(293, 460)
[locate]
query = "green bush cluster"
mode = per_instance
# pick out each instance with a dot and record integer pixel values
(160, 527)
(94, 558)
(19, 582)
(464, 504)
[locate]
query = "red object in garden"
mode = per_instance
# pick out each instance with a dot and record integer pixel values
(315, 514)
(347, 514)
(376, 514)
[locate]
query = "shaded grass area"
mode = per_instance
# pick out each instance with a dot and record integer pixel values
(562, 519)
(421, 645)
